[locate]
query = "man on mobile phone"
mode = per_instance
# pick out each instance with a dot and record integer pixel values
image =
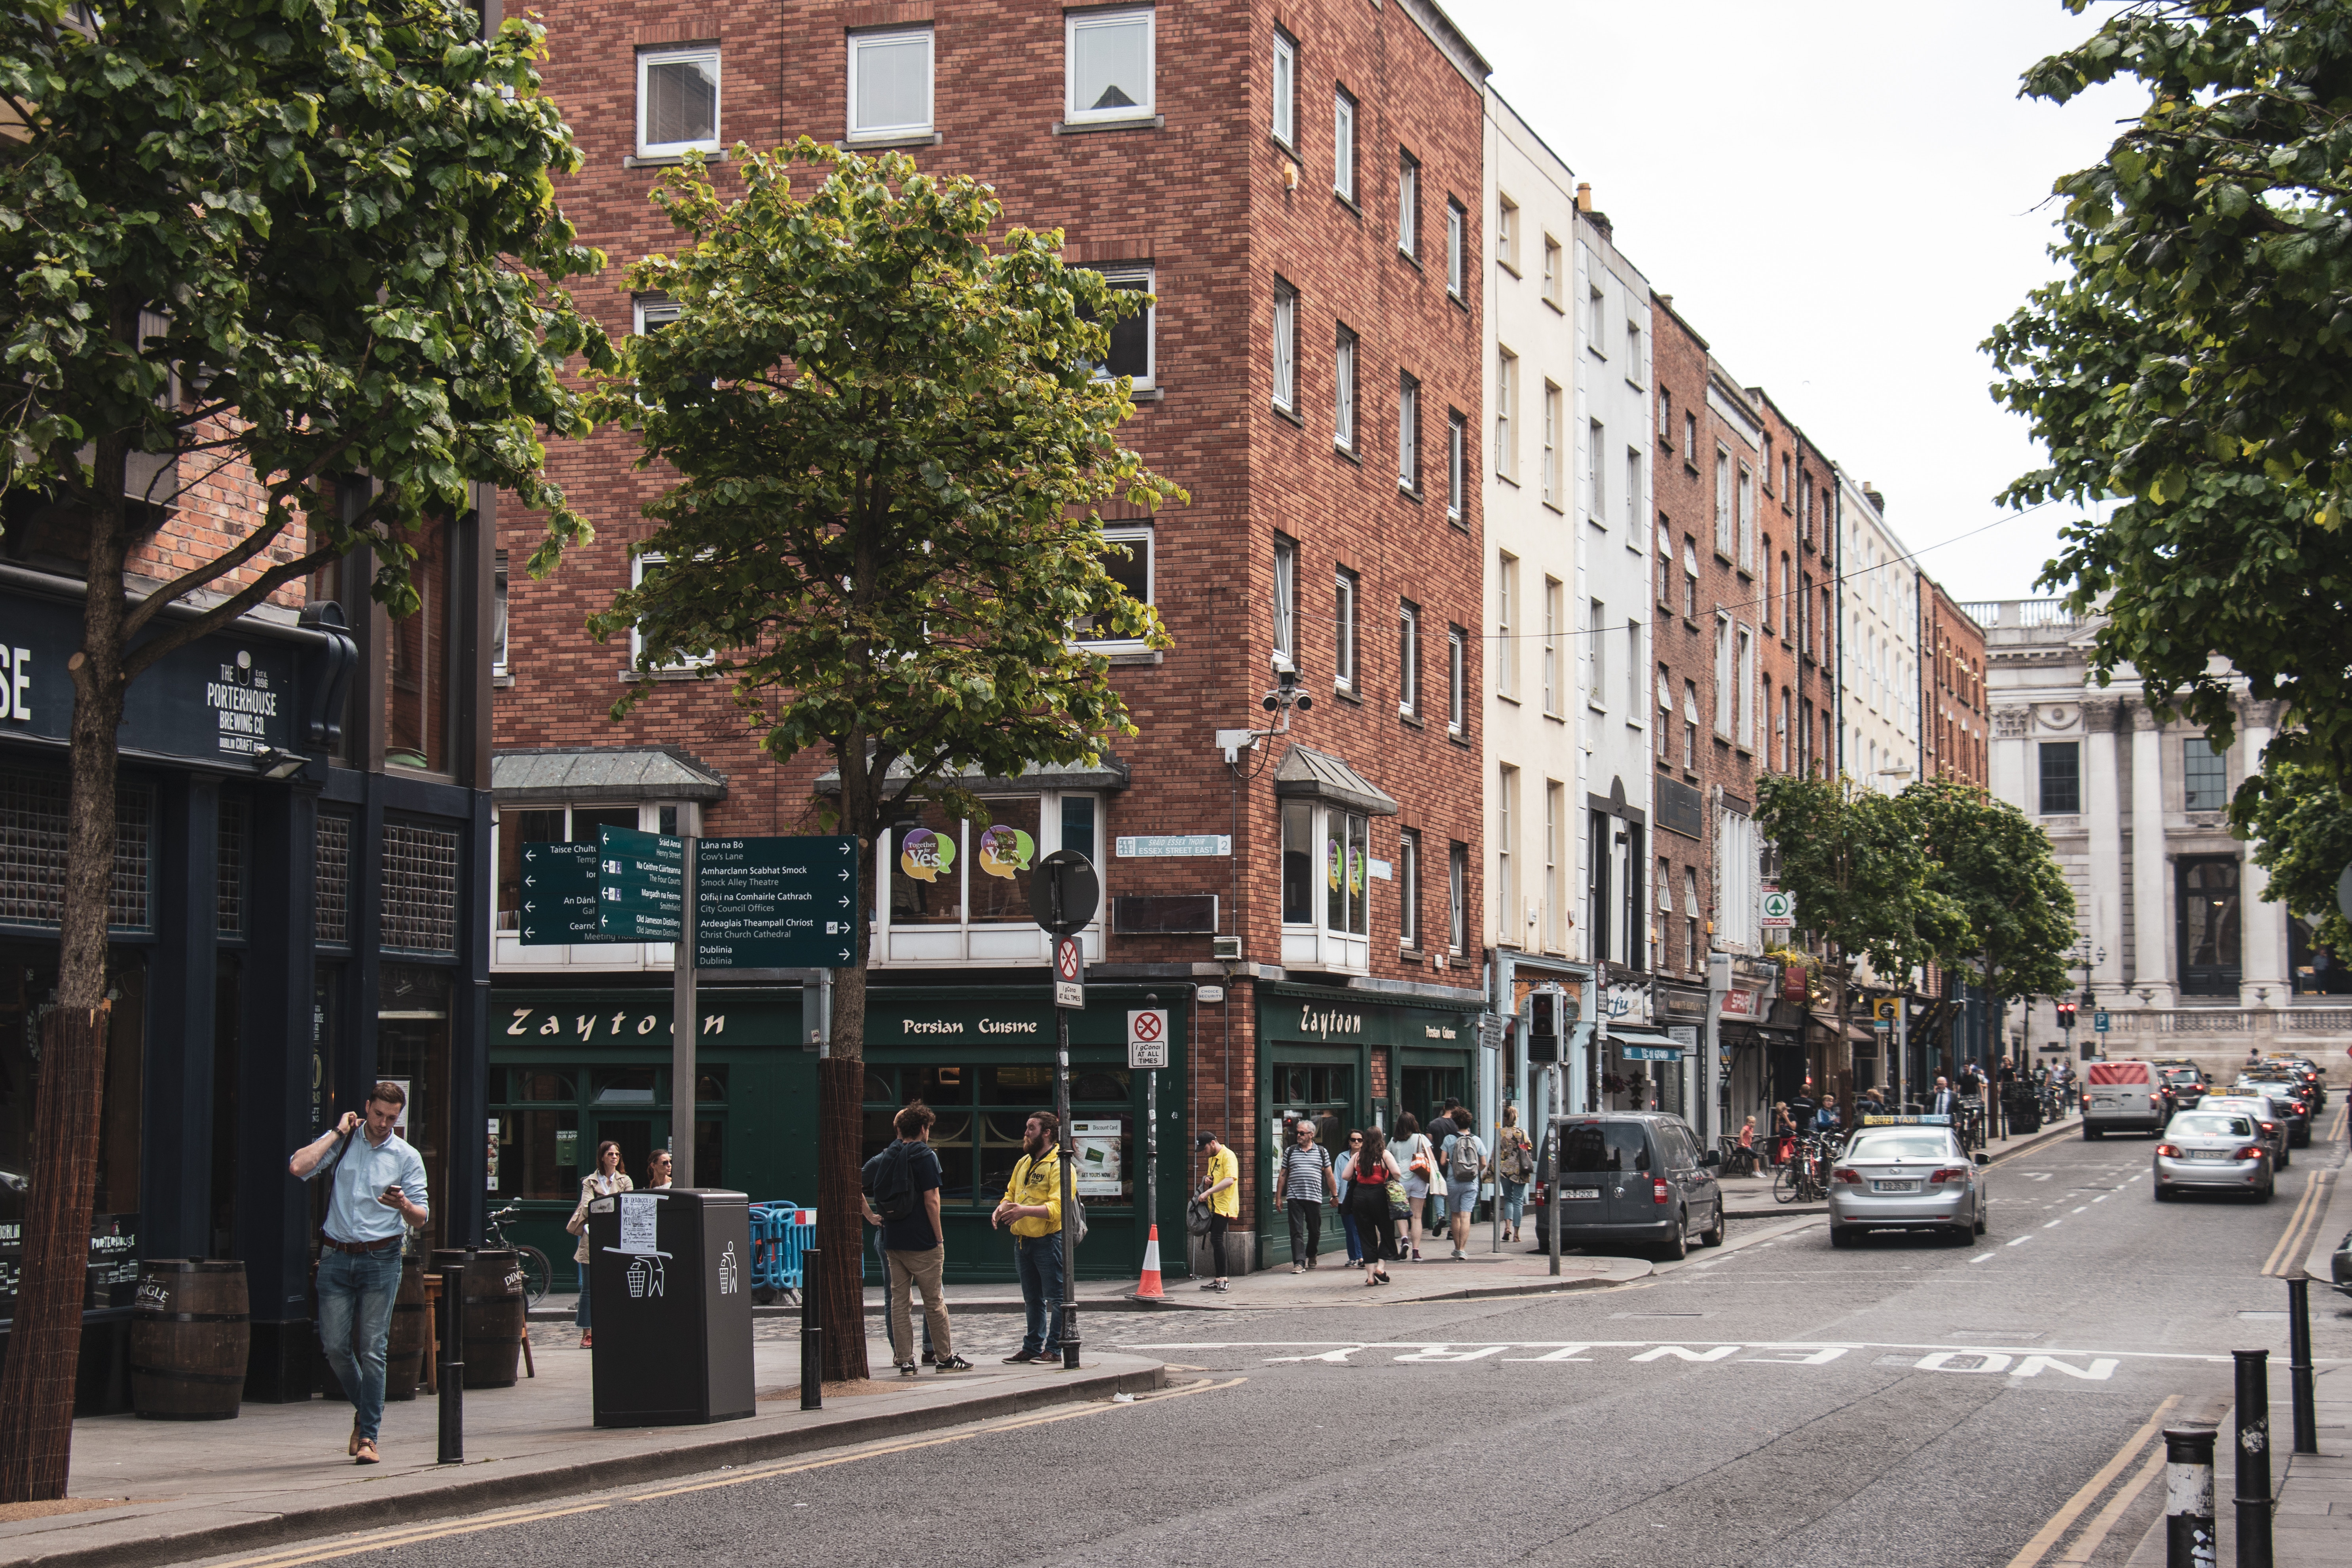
(377, 1182)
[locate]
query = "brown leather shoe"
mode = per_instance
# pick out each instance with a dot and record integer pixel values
(354, 1449)
(365, 1453)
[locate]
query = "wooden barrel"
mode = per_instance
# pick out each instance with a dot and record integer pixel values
(411, 1338)
(495, 1306)
(190, 1332)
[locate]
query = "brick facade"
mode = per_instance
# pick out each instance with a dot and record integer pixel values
(1952, 695)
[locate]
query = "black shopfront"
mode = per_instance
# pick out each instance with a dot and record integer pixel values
(291, 919)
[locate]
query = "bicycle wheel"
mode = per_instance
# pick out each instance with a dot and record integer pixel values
(1784, 1183)
(537, 1274)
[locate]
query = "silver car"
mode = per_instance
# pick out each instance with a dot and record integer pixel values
(2271, 1122)
(1907, 1178)
(2220, 1150)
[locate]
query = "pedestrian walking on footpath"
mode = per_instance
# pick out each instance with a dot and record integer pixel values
(375, 1190)
(1032, 1205)
(1514, 1166)
(1375, 1190)
(1418, 1161)
(1341, 1167)
(1221, 1189)
(657, 1170)
(1301, 1184)
(606, 1179)
(899, 1190)
(1942, 1102)
(1438, 1131)
(1463, 1157)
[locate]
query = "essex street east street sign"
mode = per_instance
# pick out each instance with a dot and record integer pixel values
(640, 884)
(775, 903)
(557, 899)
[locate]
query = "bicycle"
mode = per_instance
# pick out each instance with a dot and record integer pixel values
(538, 1274)
(1970, 1127)
(1800, 1180)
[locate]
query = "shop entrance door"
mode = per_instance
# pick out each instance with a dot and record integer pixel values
(1426, 1089)
(638, 1137)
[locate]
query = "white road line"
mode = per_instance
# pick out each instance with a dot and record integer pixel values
(2059, 1221)
(2080, 1210)
(2021, 1241)
(1981, 1258)
(2103, 1197)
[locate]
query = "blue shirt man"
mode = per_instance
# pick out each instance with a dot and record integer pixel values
(377, 1192)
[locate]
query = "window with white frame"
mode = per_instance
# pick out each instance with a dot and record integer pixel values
(1726, 517)
(1555, 871)
(1129, 561)
(1666, 563)
(677, 100)
(1690, 725)
(654, 311)
(1690, 577)
(1408, 876)
(1286, 601)
(1745, 676)
(1343, 390)
(498, 621)
(1555, 603)
(640, 568)
(1457, 897)
(1506, 617)
(1408, 204)
(1554, 266)
(1286, 89)
(1506, 234)
(1597, 655)
(1457, 466)
(1507, 408)
(1596, 331)
(1458, 681)
(1343, 144)
(1133, 339)
(1408, 660)
(1336, 843)
(1633, 672)
(1632, 489)
(890, 84)
(1666, 419)
(1747, 518)
(1285, 347)
(1633, 354)
(1108, 65)
(1408, 434)
(1553, 457)
(1665, 707)
(1506, 811)
(943, 875)
(1343, 629)
(1723, 675)
(1457, 246)
(1597, 504)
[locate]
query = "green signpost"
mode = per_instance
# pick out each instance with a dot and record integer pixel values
(640, 884)
(559, 894)
(775, 903)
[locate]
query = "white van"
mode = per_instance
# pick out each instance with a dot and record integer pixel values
(2122, 1097)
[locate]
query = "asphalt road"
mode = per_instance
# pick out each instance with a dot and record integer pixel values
(1907, 1404)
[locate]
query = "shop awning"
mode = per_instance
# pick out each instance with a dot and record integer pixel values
(551, 777)
(1644, 1045)
(1110, 773)
(1857, 1032)
(1305, 773)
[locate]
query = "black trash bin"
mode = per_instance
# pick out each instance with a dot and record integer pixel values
(671, 1273)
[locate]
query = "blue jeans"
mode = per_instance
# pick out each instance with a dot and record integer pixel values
(580, 1313)
(890, 1304)
(359, 1291)
(1355, 1242)
(1039, 1258)
(1515, 1203)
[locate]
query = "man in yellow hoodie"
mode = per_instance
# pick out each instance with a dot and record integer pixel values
(1033, 1207)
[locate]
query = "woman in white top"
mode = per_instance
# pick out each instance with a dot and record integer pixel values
(1418, 1161)
(602, 1183)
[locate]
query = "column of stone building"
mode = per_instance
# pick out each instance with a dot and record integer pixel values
(2104, 920)
(2151, 898)
(2263, 925)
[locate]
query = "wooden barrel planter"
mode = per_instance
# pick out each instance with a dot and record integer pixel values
(190, 1332)
(411, 1337)
(495, 1306)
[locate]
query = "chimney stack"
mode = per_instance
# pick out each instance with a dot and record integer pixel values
(1870, 491)
(1584, 196)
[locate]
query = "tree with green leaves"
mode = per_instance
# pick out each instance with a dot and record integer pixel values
(892, 440)
(1862, 879)
(1995, 867)
(2301, 822)
(295, 239)
(2193, 365)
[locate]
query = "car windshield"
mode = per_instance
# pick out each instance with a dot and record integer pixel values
(1604, 1146)
(1900, 1146)
(2182, 1075)
(2212, 1127)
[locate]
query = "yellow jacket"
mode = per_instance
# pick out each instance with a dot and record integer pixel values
(1222, 1166)
(1034, 1182)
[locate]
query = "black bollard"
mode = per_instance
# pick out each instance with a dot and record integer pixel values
(812, 1330)
(2298, 1365)
(2189, 1539)
(452, 1371)
(2253, 1498)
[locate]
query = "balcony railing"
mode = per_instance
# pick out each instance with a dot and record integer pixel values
(2230, 1021)
(1992, 613)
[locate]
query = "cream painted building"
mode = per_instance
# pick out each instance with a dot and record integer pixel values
(1878, 645)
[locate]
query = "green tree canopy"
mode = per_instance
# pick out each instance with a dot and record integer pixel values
(299, 238)
(2193, 365)
(1862, 879)
(891, 442)
(2301, 821)
(1996, 869)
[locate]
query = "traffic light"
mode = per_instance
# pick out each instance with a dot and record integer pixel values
(2066, 1017)
(1543, 1028)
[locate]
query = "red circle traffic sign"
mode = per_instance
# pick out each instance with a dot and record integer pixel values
(1066, 959)
(1146, 1027)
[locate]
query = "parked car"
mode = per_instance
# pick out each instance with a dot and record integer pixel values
(2121, 1097)
(2220, 1150)
(2183, 1087)
(2268, 1119)
(2341, 1264)
(2314, 1079)
(1632, 1178)
(1907, 1178)
(2290, 1098)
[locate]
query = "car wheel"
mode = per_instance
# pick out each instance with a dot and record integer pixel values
(2285, 1160)
(2163, 1194)
(1677, 1245)
(1714, 1238)
(1983, 1216)
(2262, 1194)
(1842, 1238)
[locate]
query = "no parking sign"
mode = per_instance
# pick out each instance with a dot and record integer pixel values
(1146, 1037)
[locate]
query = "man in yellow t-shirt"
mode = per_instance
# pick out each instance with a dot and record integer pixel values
(1033, 1207)
(1223, 1192)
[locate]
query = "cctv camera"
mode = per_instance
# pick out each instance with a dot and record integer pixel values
(1269, 702)
(1304, 702)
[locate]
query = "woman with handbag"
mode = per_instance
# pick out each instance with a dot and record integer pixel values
(602, 1183)
(1375, 1193)
(1515, 1165)
(1418, 1163)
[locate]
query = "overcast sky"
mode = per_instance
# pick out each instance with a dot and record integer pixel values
(1844, 197)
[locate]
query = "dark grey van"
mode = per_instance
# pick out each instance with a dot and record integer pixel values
(1630, 1180)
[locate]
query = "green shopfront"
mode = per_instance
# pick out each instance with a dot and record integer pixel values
(571, 1069)
(1351, 1058)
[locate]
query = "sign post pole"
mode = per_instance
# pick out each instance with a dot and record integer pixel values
(1147, 1052)
(683, 1079)
(1063, 896)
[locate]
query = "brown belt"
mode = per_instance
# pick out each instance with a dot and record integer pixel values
(358, 1247)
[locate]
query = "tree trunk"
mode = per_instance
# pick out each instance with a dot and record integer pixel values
(36, 1388)
(841, 1094)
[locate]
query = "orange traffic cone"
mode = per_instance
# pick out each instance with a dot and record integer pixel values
(1150, 1288)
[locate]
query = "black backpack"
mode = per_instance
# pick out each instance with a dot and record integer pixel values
(889, 1182)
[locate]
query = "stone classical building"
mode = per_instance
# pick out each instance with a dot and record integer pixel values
(2179, 946)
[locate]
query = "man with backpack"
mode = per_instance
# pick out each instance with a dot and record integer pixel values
(1463, 1157)
(1301, 1186)
(901, 1195)
(1032, 1206)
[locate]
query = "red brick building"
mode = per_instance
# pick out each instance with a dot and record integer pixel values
(1952, 671)
(1298, 184)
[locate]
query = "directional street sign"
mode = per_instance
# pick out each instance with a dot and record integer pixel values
(1069, 972)
(640, 884)
(1146, 1037)
(775, 903)
(558, 897)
